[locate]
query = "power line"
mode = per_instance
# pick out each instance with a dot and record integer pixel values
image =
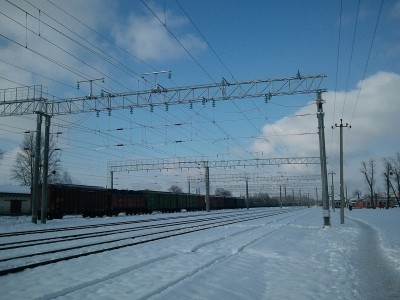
(179, 42)
(204, 38)
(60, 48)
(366, 63)
(351, 57)
(37, 74)
(104, 55)
(102, 36)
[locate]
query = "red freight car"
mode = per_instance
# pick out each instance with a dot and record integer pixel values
(66, 199)
(217, 202)
(125, 201)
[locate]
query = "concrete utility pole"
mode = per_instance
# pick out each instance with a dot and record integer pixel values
(45, 168)
(36, 174)
(207, 187)
(247, 193)
(332, 191)
(112, 179)
(285, 195)
(341, 171)
(322, 152)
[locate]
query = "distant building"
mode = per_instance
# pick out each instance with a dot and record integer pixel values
(15, 200)
(380, 201)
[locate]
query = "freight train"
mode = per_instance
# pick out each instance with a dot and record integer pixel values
(92, 201)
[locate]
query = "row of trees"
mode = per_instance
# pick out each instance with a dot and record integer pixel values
(391, 172)
(218, 191)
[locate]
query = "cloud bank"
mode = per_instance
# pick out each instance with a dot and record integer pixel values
(372, 109)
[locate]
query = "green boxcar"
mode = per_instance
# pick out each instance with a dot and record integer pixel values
(240, 202)
(189, 202)
(160, 201)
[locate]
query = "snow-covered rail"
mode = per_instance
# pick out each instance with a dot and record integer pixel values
(31, 253)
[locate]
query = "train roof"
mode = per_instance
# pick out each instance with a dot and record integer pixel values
(15, 189)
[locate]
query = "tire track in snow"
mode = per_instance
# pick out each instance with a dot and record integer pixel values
(378, 279)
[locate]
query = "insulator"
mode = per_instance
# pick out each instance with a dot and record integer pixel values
(97, 113)
(131, 110)
(213, 103)
(191, 105)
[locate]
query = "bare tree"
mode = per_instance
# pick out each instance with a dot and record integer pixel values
(65, 178)
(23, 168)
(368, 169)
(395, 168)
(260, 199)
(386, 175)
(222, 192)
(175, 189)
(357, 193)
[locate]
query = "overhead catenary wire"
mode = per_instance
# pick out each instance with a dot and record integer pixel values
(101, 53)
(102, 36)
(193, 58)
(351, 57)
(198, 131)
(229, 71)
(366, 63)
(65, 51)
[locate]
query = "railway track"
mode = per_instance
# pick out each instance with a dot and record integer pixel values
(69, 247)
(101, 225)
(200, 258)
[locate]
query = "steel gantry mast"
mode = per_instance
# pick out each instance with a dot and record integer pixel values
(259, 182)
(195, 163)
(22, 101)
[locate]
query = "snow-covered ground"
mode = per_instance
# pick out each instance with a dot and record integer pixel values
(287, 256)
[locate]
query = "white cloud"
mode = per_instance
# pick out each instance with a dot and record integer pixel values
(395, 11)
(148, 39)
(374, 132)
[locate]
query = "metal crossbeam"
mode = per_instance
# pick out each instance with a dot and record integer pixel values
(309, 187)
(25, 104)
(256, 178)
(185, 163)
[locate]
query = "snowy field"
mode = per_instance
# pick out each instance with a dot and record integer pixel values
(287, 256)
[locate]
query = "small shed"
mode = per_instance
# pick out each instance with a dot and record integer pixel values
(15, 200)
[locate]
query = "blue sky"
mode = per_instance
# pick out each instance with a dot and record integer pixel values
(235, 40)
